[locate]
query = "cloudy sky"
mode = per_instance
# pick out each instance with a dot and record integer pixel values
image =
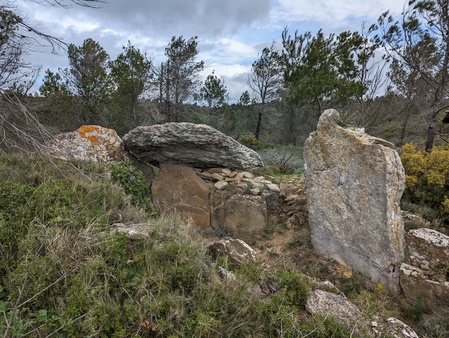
(231, 33)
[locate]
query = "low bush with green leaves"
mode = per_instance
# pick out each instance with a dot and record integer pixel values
(133, 182)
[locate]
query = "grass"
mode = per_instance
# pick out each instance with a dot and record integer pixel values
(65, 274)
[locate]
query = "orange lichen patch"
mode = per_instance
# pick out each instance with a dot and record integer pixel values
(94, 134)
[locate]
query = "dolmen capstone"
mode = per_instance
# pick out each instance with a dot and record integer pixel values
(194, 145)
(354, 183)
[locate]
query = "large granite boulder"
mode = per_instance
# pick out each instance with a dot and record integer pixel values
(195, 145)
(87, 143)
(177, 188)
(354, 183)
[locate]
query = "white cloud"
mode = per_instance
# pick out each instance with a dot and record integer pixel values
(334, 13)
(80, 23)
(234, 77)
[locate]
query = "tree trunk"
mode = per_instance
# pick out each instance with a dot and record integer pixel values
(433, 119)
(431, 130)
(259, 122)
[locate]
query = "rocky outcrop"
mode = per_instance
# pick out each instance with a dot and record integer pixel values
(428, 249)
(88, 143)
(178, 189)
(425, 273)
(195, 145)
(354, 183)
(420, 288)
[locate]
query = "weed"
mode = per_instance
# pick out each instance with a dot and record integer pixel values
(133, 182)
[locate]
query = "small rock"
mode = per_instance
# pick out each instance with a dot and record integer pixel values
(273, 187)
(220, 185)
(218, 177)
(237, 250)
(226, 171)
(227, 275)
(399, 329)
(133, 231)
(247, 174)
(325, 303)
(254, 191)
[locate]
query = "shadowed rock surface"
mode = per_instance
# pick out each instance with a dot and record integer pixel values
(177, 188)
(354, 183)
(425, 272)
(195, 145)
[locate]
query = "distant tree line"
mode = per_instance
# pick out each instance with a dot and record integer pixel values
(395, 60)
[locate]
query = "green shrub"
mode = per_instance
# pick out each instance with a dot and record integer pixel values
(133, 182)
(250, 141)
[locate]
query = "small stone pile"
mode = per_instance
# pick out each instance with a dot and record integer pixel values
(242, 180)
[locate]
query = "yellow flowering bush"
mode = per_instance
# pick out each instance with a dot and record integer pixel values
(427, 177)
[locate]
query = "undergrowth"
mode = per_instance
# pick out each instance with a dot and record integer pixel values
(64, 273)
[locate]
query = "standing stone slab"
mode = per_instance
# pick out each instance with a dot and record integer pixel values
(178, 189)
(244, 216)
(354, 183)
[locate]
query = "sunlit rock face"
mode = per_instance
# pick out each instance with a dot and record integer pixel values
(88, 143)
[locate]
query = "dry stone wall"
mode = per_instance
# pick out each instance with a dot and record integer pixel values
(231, 202)
(354, 183)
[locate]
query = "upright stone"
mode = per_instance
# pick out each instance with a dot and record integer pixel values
(354, 183)
(178, 189)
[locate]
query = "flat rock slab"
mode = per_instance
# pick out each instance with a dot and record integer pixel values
(195, 145)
